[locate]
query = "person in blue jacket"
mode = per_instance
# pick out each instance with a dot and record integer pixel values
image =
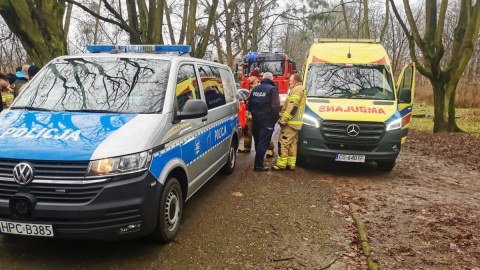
(264, 105)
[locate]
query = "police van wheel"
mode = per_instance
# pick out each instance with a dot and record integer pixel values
(170, 212)
(385, 166)
(232, 159)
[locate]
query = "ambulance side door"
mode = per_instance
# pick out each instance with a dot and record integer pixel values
(405, 96)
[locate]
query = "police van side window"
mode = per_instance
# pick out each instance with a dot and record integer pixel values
(212, 86)
(187, 85)
(228, 85)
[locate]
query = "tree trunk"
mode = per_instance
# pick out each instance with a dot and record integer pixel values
(439, 104)
(95, 34)
(169, 24)
(192, 17)
(183, 30)
(68, 16)
(202, 48)
(39, 29)
(345, 19)
(365, 19)
(218, 44)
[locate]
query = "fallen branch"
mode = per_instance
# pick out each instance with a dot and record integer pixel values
(282, 259)
(362, 233)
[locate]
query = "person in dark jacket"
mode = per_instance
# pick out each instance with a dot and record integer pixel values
(264, 105)
(213, 98)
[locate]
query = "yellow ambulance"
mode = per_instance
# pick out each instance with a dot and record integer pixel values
(354, 110)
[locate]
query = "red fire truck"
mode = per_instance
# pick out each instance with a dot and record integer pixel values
(277, 63)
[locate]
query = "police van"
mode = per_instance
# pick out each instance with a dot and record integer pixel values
(354, 110)
(110, 144)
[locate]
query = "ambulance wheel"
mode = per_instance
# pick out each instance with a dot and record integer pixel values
(170, 212)
(301, 160)
(385, 166)
(232, 159)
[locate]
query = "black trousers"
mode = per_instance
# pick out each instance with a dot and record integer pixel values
(262, 134)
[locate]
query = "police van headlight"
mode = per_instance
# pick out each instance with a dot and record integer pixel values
(396, 124)
(120, 165)
(311, 121)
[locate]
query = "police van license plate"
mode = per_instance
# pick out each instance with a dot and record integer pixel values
(26, 229)
(350, 158)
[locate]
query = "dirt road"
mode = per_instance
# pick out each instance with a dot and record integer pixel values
(422, 215)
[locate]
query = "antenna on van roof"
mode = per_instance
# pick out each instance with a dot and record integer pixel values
(349, 55)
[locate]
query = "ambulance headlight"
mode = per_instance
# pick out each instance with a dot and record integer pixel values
(120, 165)
(396, 124)
(311, 121)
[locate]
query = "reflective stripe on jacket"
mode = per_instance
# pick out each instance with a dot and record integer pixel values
(293, 107)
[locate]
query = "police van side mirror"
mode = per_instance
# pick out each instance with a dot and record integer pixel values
(194, 108)
(405, 95)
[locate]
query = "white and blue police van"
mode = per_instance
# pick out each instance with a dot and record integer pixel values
(110, 144)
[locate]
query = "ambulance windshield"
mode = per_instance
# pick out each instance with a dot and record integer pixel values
(350, 81)
(123, 85)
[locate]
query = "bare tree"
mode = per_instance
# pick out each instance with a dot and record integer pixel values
(443, 77)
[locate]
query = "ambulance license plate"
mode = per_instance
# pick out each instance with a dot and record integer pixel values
(350, 158)
(26, 228)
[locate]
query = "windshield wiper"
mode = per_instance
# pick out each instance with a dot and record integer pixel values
(30, 108)
(92, 110)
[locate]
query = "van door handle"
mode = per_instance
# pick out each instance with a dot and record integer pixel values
(204, 119)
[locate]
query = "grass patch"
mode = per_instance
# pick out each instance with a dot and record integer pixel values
(467, 119)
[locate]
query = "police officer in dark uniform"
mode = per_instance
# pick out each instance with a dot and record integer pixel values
(264, 105)
(213, 98)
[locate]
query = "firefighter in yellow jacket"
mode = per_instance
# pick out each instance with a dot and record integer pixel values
(247, 140)
(291, 120)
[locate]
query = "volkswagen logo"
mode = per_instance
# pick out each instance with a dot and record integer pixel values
(353, 130)
(23, 173)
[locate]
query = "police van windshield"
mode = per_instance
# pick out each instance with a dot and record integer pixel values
(350, 81)
(123, 85)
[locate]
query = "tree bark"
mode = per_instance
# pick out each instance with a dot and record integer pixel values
(191, 27)
(345, 19)
(39, 28)
(68, 16)
(202, 48)
(183, 31)
(366, 28)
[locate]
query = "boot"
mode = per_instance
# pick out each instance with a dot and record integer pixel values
(276, 168)
(270, 153)
(244, 150)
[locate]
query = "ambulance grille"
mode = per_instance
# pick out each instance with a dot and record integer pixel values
(337, 131)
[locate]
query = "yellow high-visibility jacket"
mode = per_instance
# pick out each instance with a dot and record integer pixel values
(293, 107)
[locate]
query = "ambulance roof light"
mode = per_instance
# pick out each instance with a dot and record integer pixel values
(182, 49)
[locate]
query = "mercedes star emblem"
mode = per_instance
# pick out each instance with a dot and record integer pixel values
(353, 130)
(23, 173)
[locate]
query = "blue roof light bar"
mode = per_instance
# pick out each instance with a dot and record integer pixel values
(140, 48)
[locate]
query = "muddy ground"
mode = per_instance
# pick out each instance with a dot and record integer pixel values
(422, 215)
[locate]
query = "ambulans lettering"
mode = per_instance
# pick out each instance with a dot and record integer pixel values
(259, 94)
(347, 109)
(220, 133)
(46, 133)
